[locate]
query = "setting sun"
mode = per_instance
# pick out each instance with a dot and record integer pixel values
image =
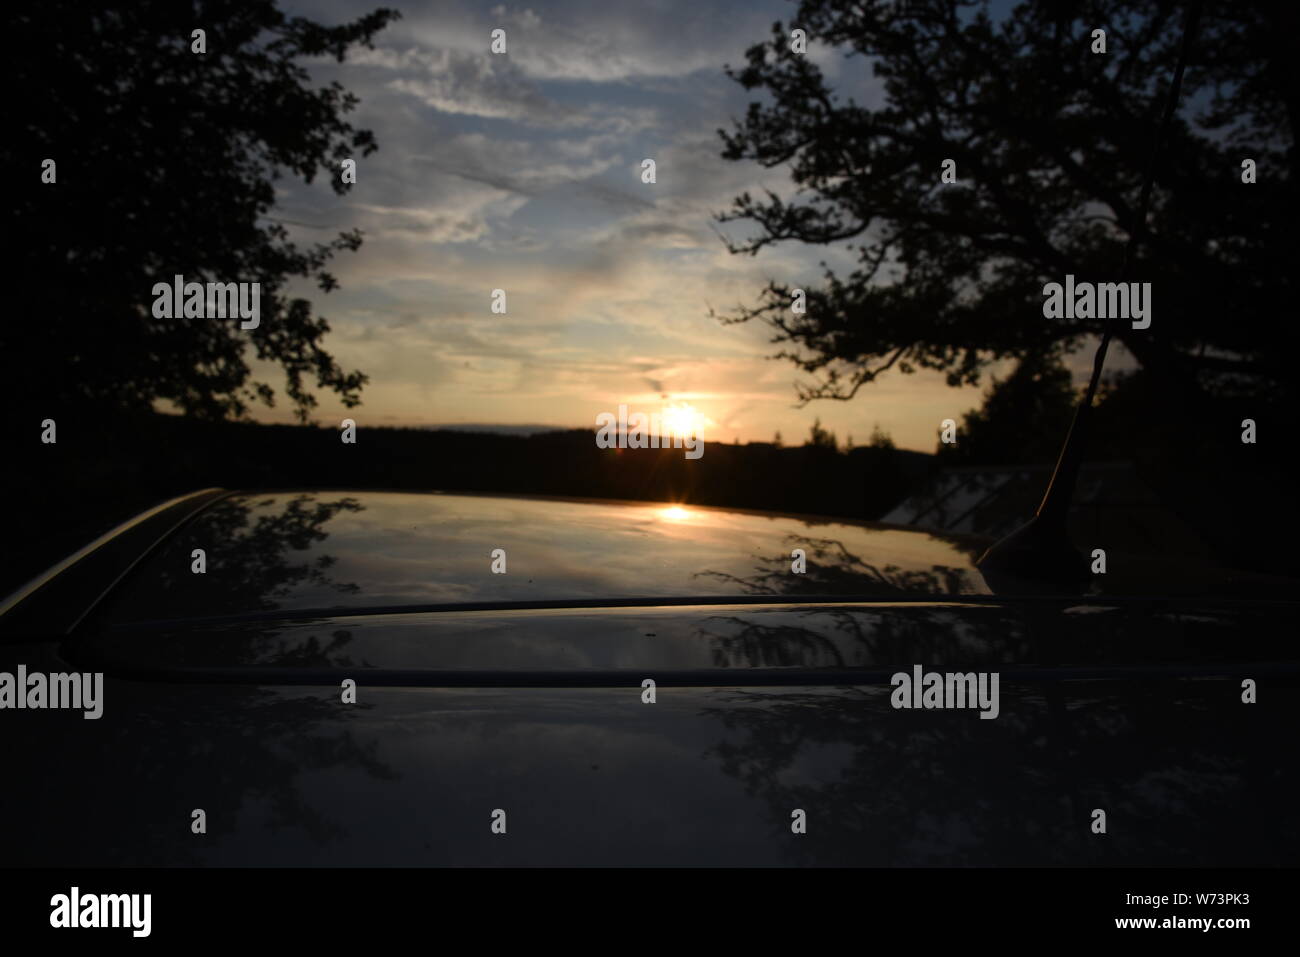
(683, 421)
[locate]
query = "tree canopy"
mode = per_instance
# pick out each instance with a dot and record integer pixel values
(1051, 143)
(166, 163)
(1022, 420)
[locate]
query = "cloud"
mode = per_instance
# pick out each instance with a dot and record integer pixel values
(481, 84)
(472, 84)
(438, 225)
(603, 43)
(516, 166)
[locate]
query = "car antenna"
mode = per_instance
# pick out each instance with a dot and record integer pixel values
(1041, 550)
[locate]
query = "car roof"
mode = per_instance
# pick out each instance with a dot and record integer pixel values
(301, 552)
(217, 555)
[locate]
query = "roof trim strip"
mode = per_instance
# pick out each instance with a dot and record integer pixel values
(821, 602)
(58, 595)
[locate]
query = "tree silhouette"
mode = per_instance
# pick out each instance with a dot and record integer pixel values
(1021, 421)
(880, 439)
(834, 570)
(819, 438)
(166, 162)
(1051, 142)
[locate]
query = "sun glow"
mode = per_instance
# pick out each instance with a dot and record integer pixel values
(674, 513)
(682, 421)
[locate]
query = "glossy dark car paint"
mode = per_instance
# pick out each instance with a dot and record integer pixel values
(523, 692)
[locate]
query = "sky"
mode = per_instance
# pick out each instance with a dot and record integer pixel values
(522, 171)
